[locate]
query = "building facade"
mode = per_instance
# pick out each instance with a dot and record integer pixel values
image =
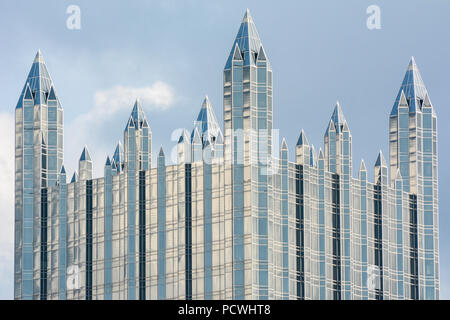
(234, 218)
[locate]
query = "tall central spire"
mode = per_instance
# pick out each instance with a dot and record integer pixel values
(413, 88)
(247, 40)
(338, 117)
(138, 114)
(248, 123)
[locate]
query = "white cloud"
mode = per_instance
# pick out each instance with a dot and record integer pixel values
(103, 124)
(158, 96)
(7, 202)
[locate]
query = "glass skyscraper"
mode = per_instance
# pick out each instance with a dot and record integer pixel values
(234, 218)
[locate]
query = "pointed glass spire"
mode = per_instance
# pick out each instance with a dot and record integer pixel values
(331, 127)
(85, 156)
(236, 53)
(261, 54)
(338, 118)
(312, 156)
(52, 94)
(184, 137)
(402, 102)
(206, 123)
(118, 152)
(108, 161)
(363, 166)
(195, 137)
(362, 172)
(74, 177)
(380, 172)
(427, 104)
(284, 144)
(39, 81)
(161, 163)
(138, 115)
(62, 176)
(321, 157)
(161, 153)
(130, 123)
(118, 156)
(113, 165)
(345, 127)
(28, 94)
(381, 162)
(302, 140)
(413, 88)
(145, 123)
(247, 40)
(426, 101)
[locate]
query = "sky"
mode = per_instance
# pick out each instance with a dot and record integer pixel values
(170, 54)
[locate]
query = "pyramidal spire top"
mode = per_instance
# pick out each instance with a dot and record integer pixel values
(363, 166)
(161, 153)
(312, 156)
(196, 138)
(302, 140)
(206, 123)
(184, 137)
(321, 157)
(85, 156)
(38, 58)
(381, 162)
(283, 142)
(246, 15)
(38, 80)
(248, 41)
(338, 117)
(413, 88)
(137, 117)
(118, 156)
(247, 37)
(74, 177)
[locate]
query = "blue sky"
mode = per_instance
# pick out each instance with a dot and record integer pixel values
(172, 53)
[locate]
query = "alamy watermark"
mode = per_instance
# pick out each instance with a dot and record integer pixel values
(73, 22)
(374, 19)
(373, 277)
(266, 155)
(73, 277)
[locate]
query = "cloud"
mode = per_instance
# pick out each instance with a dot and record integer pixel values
(158, 96)
(7, 201)
(103, 124)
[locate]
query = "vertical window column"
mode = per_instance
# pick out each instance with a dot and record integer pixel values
(336, 220)
(44, 213)
(142, 235)
(188, 230)
(299, 232)
(378, 232)
(161, 225)
(413, 244)
(88, 239)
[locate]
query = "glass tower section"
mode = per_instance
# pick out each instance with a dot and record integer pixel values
(39, 157)
(230, 219)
